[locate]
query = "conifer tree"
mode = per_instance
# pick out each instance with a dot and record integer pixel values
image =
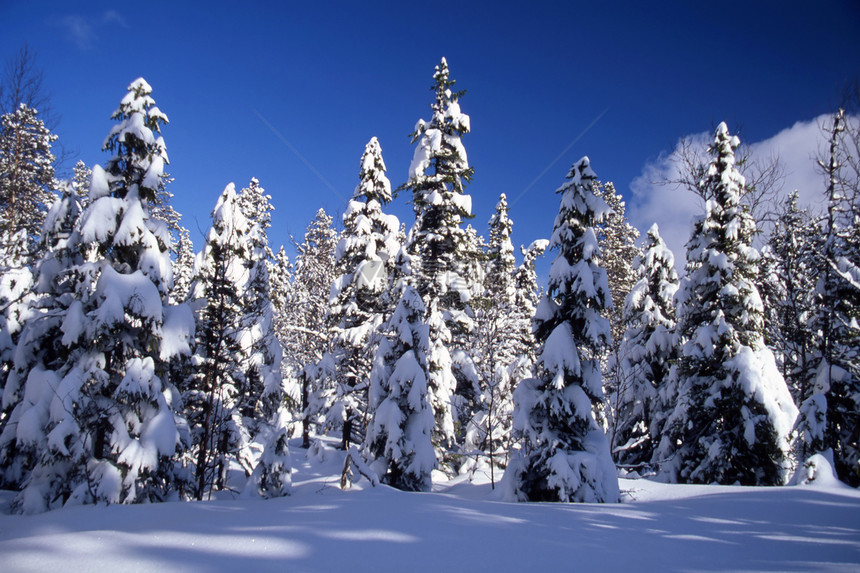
(114, 429)
(218, 381)
(26, 184)
(565, 454)
(262, 353)
(733, 411)
(26, 174)
(308, 337)
(437, 244)
(527, 294)
(183, 267)
(496, 344)
(398, 441)
(81, 176)
(23, 438)
(616, 238)
(360, 298)
(280, 293)
(829, 421)
(793, 271)
(260, 406)
(647, 351)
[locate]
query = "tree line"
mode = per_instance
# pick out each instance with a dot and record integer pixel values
(134, 369)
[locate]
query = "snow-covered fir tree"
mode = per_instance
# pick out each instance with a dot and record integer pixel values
(792, 272)
(496, 343)
(233, 394)
(527, 294)
(617, 240)
(646, 354)
(829, 421)
(305, 327)
(437, 243)
(398, 441)
(565, 454)
(26, 173)
(733, 412)
(81, 176)
(260, 344)
(360, 298)
(113, 427)
(261, 404)
(26, 184)
(28, 392)
(280, 293)
(183, 266)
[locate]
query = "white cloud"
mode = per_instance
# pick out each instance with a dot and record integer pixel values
(82, 31)
(674, 208)
(114, 17)
(78, 30)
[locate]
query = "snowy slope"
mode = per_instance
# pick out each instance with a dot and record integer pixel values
(455, 528)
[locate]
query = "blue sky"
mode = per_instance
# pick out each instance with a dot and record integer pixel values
(620, 82)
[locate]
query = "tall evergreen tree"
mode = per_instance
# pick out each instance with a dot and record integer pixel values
(734, 411)
(280, 293)
(261, 404)
(260, 345)
(114, 429)
(360, 297)
(565, 454)
(616, 238)
(26, 174)
(496, 344)
(398, 441)
(793, 271)
(646, 353)
(437, 243)
(829, 422)
(183, 267)
(29, 389)
(234, 393)
(308, 337)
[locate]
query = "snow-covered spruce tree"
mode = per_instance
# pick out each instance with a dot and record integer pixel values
(616, 238)
(260, 346)
(26, 183)
(30, 385)
(398, 441)
(527, 294)
(646, 352)
(496, 343)
(211, 395)
(26, 173)
(437, 243)
(80, 182)
(360, 299)
(829, 421)
(791, 335)
(307, 336)
(183, 267)
(565, 454)
(113, 429)
(280, 293)
(733, 412)
(260, 406)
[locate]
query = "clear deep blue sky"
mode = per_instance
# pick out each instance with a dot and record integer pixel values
(329, 75)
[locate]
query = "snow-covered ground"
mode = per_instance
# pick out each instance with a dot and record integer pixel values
(458, 527)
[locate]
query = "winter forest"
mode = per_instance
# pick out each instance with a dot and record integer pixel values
(134, 369)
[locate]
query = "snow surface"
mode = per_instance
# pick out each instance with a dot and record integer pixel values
(456, 528)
